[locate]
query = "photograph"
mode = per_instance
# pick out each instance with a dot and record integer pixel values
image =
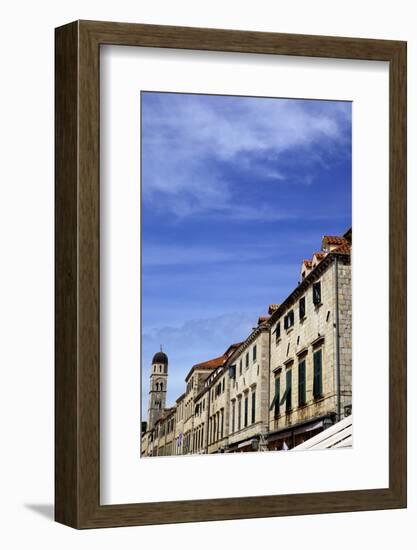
(246, 243)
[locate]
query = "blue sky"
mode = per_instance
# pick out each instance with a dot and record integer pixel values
(236, 191)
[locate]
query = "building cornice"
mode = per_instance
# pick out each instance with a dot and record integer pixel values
(264, 327)
(315, 274)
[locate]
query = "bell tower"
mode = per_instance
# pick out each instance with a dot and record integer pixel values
(157, 387)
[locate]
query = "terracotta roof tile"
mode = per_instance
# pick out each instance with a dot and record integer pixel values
(211, 363)
(319, 255)
(343, 249)
(262, 319)
(334, 239)
(307, 263)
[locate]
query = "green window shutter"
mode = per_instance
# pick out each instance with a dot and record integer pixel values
(288, 389)
(317, 293)
(302, 307)
(253, 405)
(318, 380)
(302, 383)
(277, 390)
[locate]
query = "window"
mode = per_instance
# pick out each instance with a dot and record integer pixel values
(233, 415)
(253, 405)
(221, 422)
(278, 332)
(223, 385)
(239, 413)
(318, 375)
(317, 293)
(302, 307)
(246, 409)
(254, 353)
(247, 360)
(301, 383)
(289, 320)
(277, 390)
(240, 366)
(288, 390)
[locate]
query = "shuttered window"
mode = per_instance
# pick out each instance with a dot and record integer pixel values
(317, 293)
(246, 410)
(278, 332)
(302, 307)
(318, 374)
(289, 320)
(253, 405)
(288, 390)
(275, 402)
(301, 383)
(254, 353)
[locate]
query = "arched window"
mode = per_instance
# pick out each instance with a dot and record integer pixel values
(161, 387)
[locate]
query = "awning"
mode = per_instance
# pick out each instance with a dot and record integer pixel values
(245, 444)
(309, 428)
(296, 430)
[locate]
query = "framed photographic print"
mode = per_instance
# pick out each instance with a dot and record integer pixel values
(230, 274)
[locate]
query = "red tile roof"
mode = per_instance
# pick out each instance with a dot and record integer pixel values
(262, 319)
(211, 363)
(343, 249)
(334, 239)
(307, 263)
(232, 348)
(319, 255)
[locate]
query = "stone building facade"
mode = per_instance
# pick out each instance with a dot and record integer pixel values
(311, 361)
(287, 381)
(249, 390)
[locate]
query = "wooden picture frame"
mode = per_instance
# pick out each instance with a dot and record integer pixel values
(77, 360)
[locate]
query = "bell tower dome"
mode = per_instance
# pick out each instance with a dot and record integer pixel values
(157, 387)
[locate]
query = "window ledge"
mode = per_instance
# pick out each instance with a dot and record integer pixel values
(318, 398)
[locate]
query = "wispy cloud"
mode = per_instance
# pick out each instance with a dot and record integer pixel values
(193, 147)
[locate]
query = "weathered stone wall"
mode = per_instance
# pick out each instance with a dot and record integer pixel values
(317, 331)
(254, 377)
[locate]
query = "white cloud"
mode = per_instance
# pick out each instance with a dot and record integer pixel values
(183, 135)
